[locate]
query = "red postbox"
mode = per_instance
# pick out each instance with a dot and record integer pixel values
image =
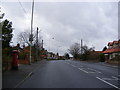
(15, 59)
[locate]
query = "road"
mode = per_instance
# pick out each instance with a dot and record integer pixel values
(72, 74)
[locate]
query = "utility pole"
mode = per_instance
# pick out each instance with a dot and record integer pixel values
(31, 35)
(42, 44)
(81, 46)
(37, 46)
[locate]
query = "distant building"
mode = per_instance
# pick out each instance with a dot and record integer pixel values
(113, 50)
(51, 55)
(43, 54)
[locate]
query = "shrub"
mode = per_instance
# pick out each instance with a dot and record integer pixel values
(101, 58)
(6, 58)
(22, 55)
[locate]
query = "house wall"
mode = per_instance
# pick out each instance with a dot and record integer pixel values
(112, 45)
(112, 55)
(115, 45)
(109, 47)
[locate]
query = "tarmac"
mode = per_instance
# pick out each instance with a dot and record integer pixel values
(13, 78)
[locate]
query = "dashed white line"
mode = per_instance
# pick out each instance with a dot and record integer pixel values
(82, 70)
(108, 83)
(73, 65)
(94, 70)
(108, 79)
(115, 78)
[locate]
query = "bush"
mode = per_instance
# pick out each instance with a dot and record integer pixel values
(22, 55)
(116, 58)
(6, 58)
(101, 58)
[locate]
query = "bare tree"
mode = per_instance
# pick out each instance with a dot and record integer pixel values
(23, 38)
(75, 50)
(86, 52)
(86, 49)
(66, 55)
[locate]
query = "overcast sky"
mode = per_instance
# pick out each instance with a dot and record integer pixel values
(96, 23)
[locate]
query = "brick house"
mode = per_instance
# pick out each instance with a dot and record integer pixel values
(51, 55)
(113, 50)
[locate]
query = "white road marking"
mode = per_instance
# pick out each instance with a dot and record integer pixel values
(23, 79)
(94, 70)
(87, 71)
(91, 72)
(108, 83)
(73, 65)
(108, 79)
(115, 78)
(83, 70)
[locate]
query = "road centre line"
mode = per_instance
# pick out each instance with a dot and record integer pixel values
(115, 78)
(94, 70)
(108, 79)
(107, 83)
(73, 65)
(82, 70)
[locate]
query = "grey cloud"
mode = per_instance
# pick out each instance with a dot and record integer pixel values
(95, 23)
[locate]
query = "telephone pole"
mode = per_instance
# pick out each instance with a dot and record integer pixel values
(81, 46)
(31, 35)
(42, 44)
(37, 46)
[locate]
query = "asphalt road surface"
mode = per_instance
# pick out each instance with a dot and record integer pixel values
(72, 74)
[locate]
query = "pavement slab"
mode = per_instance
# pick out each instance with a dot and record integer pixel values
(12, 78)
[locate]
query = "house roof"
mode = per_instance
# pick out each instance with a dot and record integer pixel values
(110, 43)
(116, 42)
(98, 51)
(111, 50)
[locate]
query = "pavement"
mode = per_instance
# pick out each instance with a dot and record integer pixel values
(13, 78)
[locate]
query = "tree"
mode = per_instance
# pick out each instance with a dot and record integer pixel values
(86, 51)
(6, 27)
(23, 38)
(67, 56)
(75, 50)
(104, 48)
(6, 33)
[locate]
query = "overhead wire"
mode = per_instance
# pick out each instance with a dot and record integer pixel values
(23, 8)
